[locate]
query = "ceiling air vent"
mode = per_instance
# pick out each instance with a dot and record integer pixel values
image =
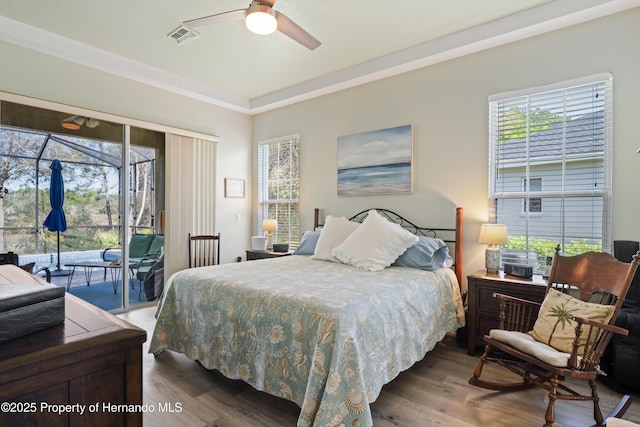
(183, 33)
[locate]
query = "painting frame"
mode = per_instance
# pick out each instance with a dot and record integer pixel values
(376, 162)
(234, 188)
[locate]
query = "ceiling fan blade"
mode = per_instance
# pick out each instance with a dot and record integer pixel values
(71, 119)
(289, 28)
(233, 15)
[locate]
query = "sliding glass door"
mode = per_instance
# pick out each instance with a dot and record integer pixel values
(104, 182)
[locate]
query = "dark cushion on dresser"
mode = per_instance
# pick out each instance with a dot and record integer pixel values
(26, 304)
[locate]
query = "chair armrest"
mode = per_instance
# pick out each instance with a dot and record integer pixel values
(517, 314)
(153, 255)
(46, 272)
(605, 326)
(147, 260)
(599, 335)
(104, 252)
(516, 300)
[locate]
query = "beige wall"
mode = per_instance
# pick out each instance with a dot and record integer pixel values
(447, 105)
(29, 73)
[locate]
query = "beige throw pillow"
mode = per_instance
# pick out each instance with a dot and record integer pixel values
(334, 232)
(554, 325)
(375, 244)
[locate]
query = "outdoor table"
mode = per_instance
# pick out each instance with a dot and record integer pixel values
(88, 267)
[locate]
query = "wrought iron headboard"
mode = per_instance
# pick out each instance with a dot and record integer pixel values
(451, 236)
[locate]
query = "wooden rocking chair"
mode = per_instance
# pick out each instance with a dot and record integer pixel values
(569, 334)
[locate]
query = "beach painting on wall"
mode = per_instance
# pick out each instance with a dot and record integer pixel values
(378, 162)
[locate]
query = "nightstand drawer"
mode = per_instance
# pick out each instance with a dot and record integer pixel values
(486, 302)
(490, 305)
(484, 309)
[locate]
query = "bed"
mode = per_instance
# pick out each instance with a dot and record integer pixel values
(325, 335)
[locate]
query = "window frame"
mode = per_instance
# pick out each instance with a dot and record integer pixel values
(531, 200)
(288, 219)
(601, 84)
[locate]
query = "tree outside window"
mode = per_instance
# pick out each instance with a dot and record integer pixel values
(279, 187)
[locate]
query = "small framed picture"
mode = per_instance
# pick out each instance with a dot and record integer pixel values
(234, 187)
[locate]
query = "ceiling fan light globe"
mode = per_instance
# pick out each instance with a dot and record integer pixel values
(72, 122)
(261, 19)
(70, 126)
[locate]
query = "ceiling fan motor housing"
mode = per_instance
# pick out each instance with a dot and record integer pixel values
(260, 19)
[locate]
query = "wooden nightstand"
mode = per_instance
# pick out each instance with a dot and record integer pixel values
(256, 254)
(484, 309)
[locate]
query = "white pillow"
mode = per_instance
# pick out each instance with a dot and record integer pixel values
(334, 231)
(375, 244)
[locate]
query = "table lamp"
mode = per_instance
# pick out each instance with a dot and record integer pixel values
(269, 226)
(493, 234)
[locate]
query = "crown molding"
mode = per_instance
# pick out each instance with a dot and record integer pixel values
(549, 17)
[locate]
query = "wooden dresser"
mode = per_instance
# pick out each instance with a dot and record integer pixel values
(93, 358)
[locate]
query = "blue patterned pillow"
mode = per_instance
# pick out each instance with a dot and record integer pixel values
(308, 243)
(428, 254)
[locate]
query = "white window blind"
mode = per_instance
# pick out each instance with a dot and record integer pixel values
(550, 168)
(279, 187)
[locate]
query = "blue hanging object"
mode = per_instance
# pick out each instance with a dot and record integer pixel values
(56, 220)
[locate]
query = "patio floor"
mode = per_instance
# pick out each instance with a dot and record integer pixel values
(79, 282)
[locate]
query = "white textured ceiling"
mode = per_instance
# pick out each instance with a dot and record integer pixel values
(230, 66)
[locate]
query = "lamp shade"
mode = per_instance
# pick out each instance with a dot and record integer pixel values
(269, 225)
(494, 234)
(260, 19)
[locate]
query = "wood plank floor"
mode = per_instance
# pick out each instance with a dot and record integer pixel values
(434, 392)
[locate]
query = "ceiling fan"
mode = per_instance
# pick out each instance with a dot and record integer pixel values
(260, 18)
(76, 122)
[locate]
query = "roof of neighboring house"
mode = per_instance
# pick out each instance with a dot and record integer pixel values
(584, 136)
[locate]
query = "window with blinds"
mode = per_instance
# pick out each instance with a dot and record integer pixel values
(550, 169)
(279, 187)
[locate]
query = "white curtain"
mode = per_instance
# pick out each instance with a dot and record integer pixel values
(190, 197)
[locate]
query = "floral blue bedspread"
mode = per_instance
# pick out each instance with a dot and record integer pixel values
(324, 335)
